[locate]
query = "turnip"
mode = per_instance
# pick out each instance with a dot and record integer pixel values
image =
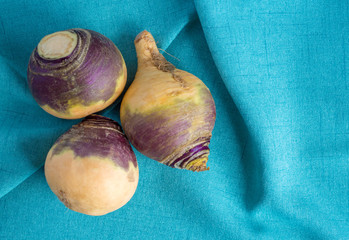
(76, 72)
(167, 114)
(92, 168)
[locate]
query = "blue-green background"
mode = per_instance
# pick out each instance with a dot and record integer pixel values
(278, 71)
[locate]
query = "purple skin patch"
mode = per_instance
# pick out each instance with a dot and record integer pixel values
(153, 135)
(97, 136)
(202, 149)
(87, 75)
(164, 134)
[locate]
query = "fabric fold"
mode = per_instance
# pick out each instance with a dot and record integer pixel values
(285, 67)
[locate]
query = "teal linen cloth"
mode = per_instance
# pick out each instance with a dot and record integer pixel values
(279, 162)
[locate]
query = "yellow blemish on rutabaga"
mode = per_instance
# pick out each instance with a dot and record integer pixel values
(141, 97)
(77, 110)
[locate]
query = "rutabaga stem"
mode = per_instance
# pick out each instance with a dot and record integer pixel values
(148, 53)
(57, 45)
(146, 48)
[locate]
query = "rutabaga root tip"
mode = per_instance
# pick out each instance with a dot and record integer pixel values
(198, 165)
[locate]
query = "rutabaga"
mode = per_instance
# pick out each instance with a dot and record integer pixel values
(92, 168)
(167, 114)
(76, 72)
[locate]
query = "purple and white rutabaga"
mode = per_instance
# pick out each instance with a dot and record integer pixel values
(167, 114)
(76, 72)
(92, 168)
